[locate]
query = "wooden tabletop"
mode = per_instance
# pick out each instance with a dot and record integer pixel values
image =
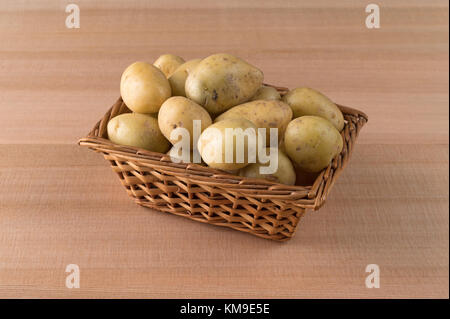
(61, 204)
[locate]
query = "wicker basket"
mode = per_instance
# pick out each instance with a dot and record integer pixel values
(260, 207)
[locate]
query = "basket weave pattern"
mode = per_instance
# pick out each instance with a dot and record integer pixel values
(260, 207)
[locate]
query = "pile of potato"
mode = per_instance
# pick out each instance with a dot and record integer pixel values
(223, 92)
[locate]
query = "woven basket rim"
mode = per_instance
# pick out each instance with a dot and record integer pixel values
(312, 196)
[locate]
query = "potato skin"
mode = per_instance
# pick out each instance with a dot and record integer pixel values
(222, 81)
(264, 114)
(168, 63)
(312, 142)
(179, 111)
(177, 79)
(267, 93)
(139, 130)
(209, 143)
(285, 173)
(144, 88)
(307, 101)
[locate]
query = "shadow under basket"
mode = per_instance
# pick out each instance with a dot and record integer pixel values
(260, 207)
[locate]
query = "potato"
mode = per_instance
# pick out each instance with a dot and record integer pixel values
(176, 153)
(284, 174)
(264, 114)
(144, 88)
(312, 142)
(139, 130)
(267, 93)
(282, 146)
(177, 79)
(168, 63)
(179, 111)
(214, 144)
(306, 101)
(222, 81)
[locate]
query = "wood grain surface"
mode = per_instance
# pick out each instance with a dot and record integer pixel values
(61, 204)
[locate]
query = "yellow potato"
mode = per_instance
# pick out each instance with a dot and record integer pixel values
(139, 130)
(177, 79)
(284, 174)
(216, 141)
(144, 88)
(168, 63)
(179, 111)
(282, 146)
(312, 142)
(194, 156)
(222, 81)
(264, 114)
(306, 101)
(267, 93)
